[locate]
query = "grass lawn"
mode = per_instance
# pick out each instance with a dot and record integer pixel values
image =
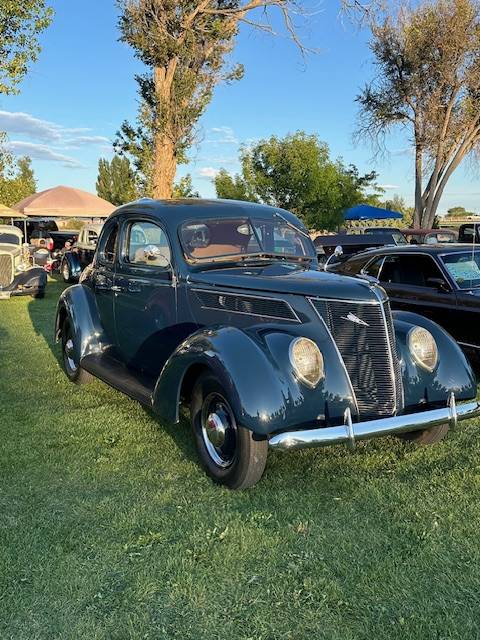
(109, 529)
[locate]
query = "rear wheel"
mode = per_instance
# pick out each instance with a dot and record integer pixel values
(426, 436)
(74, 371)
(39, 295)
(228, 451)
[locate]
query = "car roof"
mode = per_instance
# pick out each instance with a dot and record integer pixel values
(174, 212)
(94, 226)
(9, 228)
(432, 249)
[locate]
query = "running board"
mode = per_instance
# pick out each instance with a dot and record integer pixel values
(135, 384)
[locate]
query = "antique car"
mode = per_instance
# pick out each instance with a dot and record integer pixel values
(78, 256)
(441, 282)
(19, 275)
(221, 305)
(353, 243)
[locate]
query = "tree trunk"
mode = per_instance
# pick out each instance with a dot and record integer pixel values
(165, 160)
(165, 167)
(417, 218)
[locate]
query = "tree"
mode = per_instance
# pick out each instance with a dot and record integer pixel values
(116, 181)
(20, 25)
(17, 180)
(184, 44)
(296, 173)
(184, 188)
(428, 82)
(458, 212)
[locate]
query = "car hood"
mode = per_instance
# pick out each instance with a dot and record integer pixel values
(288, 279)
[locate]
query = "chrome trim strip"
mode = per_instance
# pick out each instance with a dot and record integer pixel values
(467, 344)
(374, 428)
(338, 353)
(390, 353)
(245, 313)
(310, 298)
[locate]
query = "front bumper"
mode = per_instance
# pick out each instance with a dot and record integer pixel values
(350, 432)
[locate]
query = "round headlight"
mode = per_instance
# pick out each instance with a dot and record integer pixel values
(307, 361)
(423, 348)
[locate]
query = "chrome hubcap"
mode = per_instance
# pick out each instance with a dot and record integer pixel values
(69, 355)
(219, 430)
(66, 272)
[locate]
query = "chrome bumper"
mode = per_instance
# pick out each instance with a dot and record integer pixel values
(350, 432)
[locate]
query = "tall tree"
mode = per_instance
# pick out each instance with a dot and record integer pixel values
(297, 173)
(21, 22)
(116, 180)
(184, 188)
(184, 43)
(428, 82)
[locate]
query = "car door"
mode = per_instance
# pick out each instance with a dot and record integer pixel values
(414, 283)
(104, 277)
(146, 296)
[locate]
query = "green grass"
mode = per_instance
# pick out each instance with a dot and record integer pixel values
(109, 529)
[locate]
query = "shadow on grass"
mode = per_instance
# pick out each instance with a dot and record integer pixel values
(181, 434)
(42, 316)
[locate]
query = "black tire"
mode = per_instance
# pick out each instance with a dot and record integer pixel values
(39, 295)
(427, 436)
(240, 461)
(65, 269)
(74, 372)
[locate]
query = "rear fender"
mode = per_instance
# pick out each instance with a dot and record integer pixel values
(77, 304)
(253, 367)
(74, 266)
(452, 374)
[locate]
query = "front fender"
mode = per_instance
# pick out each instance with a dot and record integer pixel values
(253, 367)
(77, 304)
(74, 266)
(453, 372)
(34, 279)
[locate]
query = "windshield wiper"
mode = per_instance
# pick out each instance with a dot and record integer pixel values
(261, 256)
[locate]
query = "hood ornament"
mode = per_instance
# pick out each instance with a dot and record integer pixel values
(351, 317)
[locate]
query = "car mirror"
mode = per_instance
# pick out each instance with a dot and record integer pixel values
(338, 251)
(438, 283)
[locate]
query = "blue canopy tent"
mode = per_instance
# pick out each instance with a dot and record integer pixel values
(366, 212)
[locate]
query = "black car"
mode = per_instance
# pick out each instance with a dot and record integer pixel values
(439, 281)
(221, 304)
(78, 256)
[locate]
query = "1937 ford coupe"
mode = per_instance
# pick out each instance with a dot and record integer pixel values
(221, 304)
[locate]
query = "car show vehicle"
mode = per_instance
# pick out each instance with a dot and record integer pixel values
(441, 282)
(80, 254)
(353, 243)
(221, 305)
(19, 275)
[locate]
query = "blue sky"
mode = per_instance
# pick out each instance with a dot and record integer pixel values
(83, 87)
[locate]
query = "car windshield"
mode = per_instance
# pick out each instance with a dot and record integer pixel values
(9, 238)
(227, 239)
(464, 268)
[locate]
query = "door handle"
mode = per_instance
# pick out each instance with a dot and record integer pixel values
(116, 289)
(134, 288)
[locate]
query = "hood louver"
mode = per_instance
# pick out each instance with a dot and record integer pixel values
(247, 305)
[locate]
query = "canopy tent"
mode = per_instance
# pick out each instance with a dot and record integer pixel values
(6, 212)
(366, 212)
(64, 202)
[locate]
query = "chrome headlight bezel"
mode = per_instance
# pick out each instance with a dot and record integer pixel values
(300, 373)
(413, 335)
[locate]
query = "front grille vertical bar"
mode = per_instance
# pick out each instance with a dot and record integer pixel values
(6, 270)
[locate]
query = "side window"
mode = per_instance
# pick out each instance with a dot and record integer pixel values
(109, 242)
(414, 270)
(373, 268)
(147, 245)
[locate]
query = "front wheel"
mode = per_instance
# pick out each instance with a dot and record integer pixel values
(74, 371)
(426, 436)
(66, 272)
(228, 451)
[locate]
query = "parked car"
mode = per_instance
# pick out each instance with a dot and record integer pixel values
(441, 282)
(469, 232)
(80, 255)
(430, 236)
(43, 234)
(352, 243)
(19, 275)
(221, 304)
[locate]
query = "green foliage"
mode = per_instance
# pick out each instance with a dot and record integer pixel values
(184, 188)
(17, 180)
(116, 181)
(458, 212)
(21, 22)
(297, 173)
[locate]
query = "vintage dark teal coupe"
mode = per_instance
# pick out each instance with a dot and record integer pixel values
(221, 304)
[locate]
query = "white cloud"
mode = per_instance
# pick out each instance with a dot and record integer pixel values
(81, 141)
(208, 173)
(43, 152)
(389, 187)
(223, 135)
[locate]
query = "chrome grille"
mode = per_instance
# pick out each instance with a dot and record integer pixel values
(368, 351)
(6, 270)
